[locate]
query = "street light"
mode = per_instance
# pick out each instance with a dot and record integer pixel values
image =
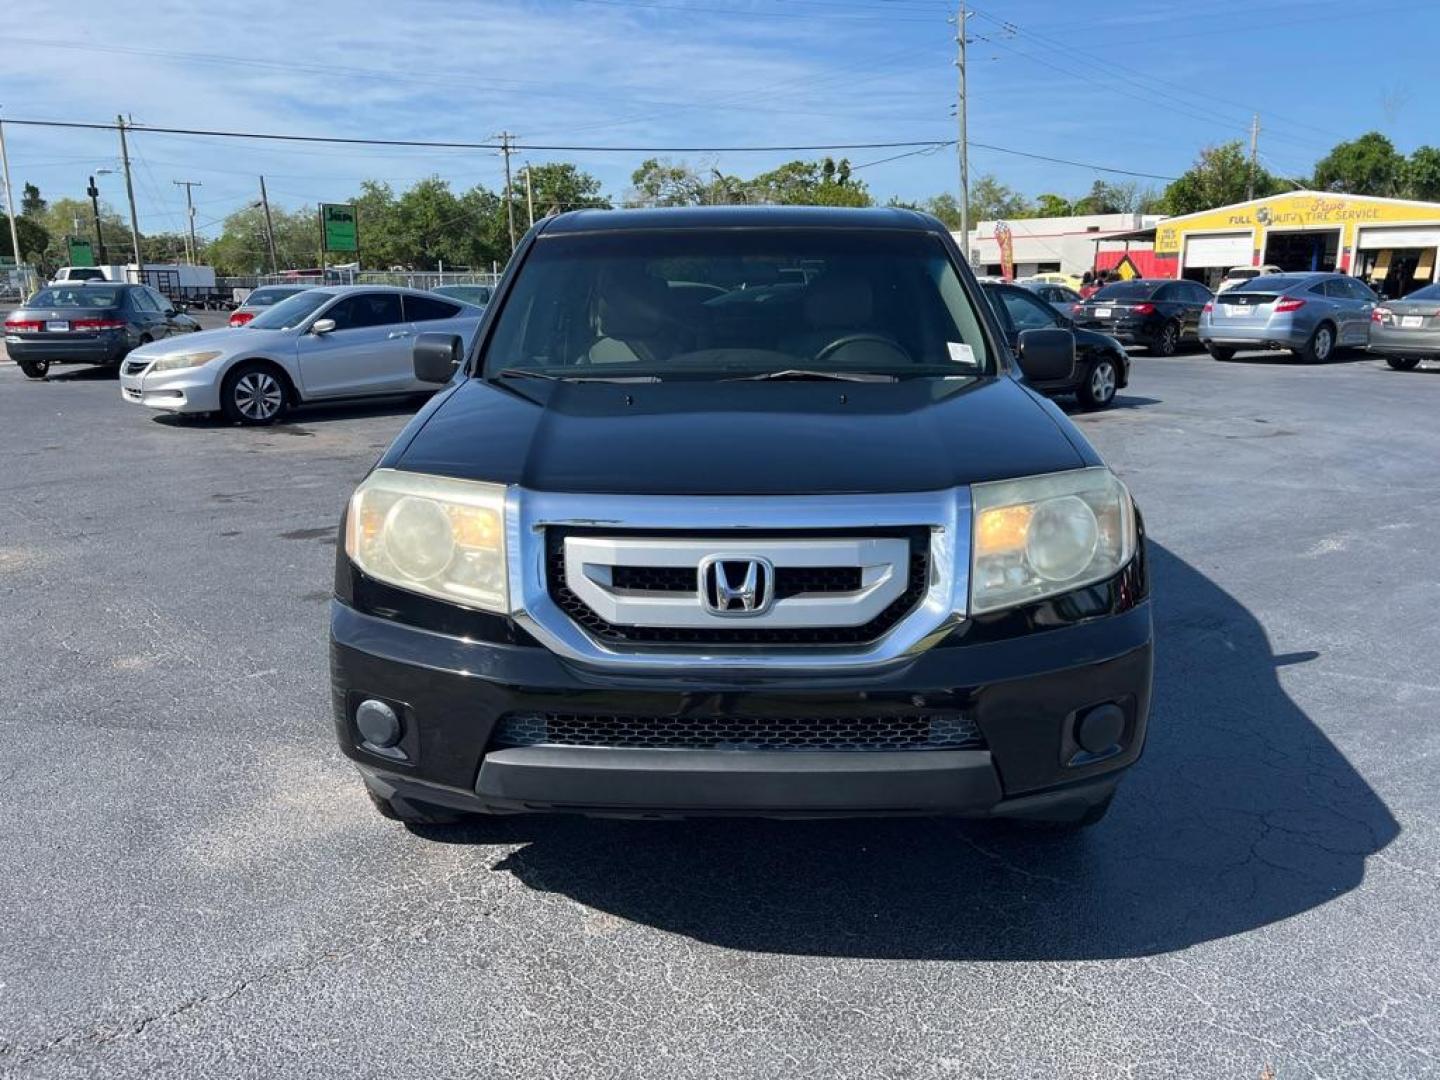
(94, 193)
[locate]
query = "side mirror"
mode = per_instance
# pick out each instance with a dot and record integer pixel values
(436, 356)
(1047, 355)
(322, 326)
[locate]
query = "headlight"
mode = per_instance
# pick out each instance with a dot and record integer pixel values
(432, 535)
(1045, 535)
(175, 361)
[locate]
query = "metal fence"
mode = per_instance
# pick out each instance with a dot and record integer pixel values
(412, 279)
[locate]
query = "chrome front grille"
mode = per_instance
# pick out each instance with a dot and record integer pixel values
(639, 603)
(905, 731)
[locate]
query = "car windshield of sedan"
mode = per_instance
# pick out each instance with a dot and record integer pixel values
(740, 303)
(82, 296)
(1126, 290)
(1429, 292)
(292, 312)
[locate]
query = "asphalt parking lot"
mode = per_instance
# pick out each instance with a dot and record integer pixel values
(195, 885)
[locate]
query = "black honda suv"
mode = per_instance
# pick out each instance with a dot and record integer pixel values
(741, 511)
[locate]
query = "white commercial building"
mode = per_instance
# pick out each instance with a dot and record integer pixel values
(1064, 245)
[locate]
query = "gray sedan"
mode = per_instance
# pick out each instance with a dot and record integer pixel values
(1310, 314)
(1407, 331)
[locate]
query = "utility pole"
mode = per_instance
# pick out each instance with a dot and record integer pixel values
(529, 194)
(190, 212)
(94, 193)
(269, 228)
(505, 138)
(1254, 153)
(10, 209)
(962, 143)
(130, 194)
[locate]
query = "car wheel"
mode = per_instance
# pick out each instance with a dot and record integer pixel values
(34, 369)
(1220, 352)
(1321, 344)
(412, 812)
(1403, 363)
(1098, 389)
(253, 394)
(1168, 343)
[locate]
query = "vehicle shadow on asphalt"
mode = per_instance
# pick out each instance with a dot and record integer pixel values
(306, 415)
(1119, 403)
(1281, 358)
(1240, 813)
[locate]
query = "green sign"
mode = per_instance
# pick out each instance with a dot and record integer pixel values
(337, 222)
(81, 252)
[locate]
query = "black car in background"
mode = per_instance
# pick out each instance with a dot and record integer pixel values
(1101, 363)
(89, 323)
(1159, 313)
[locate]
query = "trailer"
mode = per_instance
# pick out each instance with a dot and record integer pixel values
(194, 286)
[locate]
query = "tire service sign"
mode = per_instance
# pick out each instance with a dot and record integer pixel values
(337, 222)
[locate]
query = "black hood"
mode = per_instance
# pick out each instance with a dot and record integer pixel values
(742, 438)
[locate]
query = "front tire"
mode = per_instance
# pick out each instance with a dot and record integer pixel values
(1403, 363)
(34, 369)
(253, 394)
(1168, 343)
(1098, 389)
(1320, 347)
(1220, 352)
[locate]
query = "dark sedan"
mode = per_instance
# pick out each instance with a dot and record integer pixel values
(1161, 314)
(1101, 364)
(89, 324)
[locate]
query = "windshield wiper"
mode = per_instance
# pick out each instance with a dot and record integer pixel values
(804, 374)
(530, 373)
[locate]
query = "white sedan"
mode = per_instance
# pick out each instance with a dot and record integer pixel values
(320, 345)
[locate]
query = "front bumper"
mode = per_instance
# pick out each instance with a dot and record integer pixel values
(189, 390)
(100, 348)
(1024, 693)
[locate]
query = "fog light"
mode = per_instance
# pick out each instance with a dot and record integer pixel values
(1100, 729)
(378, 724)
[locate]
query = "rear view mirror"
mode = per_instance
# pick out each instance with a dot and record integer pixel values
(436, 356)
(322, 326)
(1047, 355)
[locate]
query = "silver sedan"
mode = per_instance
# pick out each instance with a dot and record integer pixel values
(319, 345)
(1407, 331)
(1310, 314)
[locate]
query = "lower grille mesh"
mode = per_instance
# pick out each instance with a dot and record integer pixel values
(909, 731)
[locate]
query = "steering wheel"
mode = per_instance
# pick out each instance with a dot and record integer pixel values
(856, 339)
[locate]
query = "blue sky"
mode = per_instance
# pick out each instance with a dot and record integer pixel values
(1130, 84)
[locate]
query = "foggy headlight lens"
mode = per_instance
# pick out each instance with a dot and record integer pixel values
(183, 360)
(1045, 535)
(429, 534)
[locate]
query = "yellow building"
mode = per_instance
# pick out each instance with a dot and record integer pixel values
(1390, 243)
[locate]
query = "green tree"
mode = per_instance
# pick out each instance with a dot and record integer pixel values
(1369, 165)
(946, 207)
(241, 247)
(1422, 174)
(990, 200)
(811, 183)
(34, 242)
(1049, 205)
(560, 186)
(661, 182)
(1218, 177)
(31, 204)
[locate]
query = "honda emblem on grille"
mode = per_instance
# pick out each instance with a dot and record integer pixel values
(736, 584)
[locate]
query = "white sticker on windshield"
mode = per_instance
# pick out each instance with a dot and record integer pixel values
(961, 353)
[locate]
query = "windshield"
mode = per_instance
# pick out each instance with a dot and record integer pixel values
(86, 296)
(1277, 282)
(732, 303)
(292, 312)
(1240, 273)
(267, 297)
(1127, 290)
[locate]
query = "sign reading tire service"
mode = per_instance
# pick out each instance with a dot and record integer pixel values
(337, 222)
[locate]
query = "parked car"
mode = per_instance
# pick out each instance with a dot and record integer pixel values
(1161, 314)
(1101, 364)
(1407, 331)
(1310, 314)
(1062, 299)
(265, 296)
(319, 345)
(824, 552)
(1239, 275)
(1068, 281)
(89, 323)
(478, 295)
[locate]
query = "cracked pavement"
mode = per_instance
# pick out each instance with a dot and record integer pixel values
(195, 884)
